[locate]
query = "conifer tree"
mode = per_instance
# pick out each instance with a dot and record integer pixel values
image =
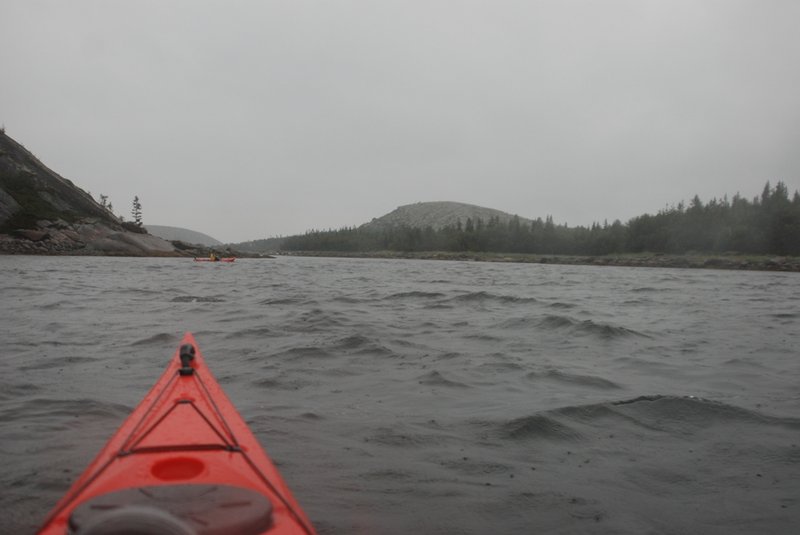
(136, 211)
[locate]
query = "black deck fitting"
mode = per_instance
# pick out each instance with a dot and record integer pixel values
(187, 356)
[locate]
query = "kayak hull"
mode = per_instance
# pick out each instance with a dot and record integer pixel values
(224, 259)
(184, 434)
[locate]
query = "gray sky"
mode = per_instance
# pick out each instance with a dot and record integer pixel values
(247, 120)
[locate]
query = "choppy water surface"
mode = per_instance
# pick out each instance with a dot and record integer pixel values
(429, 397)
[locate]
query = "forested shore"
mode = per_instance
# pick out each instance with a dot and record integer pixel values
(768, 224)
(657, 260)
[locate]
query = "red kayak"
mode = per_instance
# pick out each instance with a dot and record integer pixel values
(223, 259)
(183, 463)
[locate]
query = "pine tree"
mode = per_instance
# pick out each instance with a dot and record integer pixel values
(136, 211)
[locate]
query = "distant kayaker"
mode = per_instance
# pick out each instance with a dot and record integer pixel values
(213, 256)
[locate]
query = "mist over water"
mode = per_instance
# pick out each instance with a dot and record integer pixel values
(429, 397)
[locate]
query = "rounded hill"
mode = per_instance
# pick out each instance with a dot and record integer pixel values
(438, 215)
(182, 234)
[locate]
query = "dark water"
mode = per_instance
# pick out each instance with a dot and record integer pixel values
(429, 397)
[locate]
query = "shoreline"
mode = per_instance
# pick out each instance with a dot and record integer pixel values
(734, 262)
(731, 261)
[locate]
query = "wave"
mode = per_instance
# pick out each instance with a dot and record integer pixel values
(689, 412)
(13, 390)
(60, 411)
(414, 295)
(274, 383)
(57, 362)
(302, 353)
(534, 322)
(284, 301)
(652, 289)
(334, 372)
(386, 474)
(438, 306)
(575, 379)
(250, 332)
(401, 436)
(435, 378)
(56, 304)
(315, 319)
(355, 341)
(196, 299)
(476, 467)
(161, 339)
(500, 367)
(349, 300)
(660, 414)
(605, 331)
(561, 305)
(483, 337)
(538, 426)
(361, 345)
(486, 296)
(268, 382)
(139, 291)
(27, 290)
(744, 363)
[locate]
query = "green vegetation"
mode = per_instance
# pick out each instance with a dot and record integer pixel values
(33, 205)
(105, 203)
(136, 211)
(769, 224)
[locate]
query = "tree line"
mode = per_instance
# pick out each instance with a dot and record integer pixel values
(766, 224)
(136, 210)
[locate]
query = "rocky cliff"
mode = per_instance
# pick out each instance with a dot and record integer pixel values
(41, 212)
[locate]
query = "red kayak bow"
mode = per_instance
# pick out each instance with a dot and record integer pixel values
(223, 259)
(183, 463)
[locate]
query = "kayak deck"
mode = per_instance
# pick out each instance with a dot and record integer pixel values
(180, 453)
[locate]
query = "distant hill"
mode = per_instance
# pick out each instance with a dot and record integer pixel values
(438, 215)
(182, 234)
(267, 245)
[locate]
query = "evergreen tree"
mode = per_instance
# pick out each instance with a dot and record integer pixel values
(136, 211)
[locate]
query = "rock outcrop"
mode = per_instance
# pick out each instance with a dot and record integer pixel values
(43, 213)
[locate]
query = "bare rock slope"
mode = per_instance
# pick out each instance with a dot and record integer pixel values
(41, 212)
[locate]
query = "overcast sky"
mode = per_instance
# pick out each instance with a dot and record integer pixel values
(246, 120)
